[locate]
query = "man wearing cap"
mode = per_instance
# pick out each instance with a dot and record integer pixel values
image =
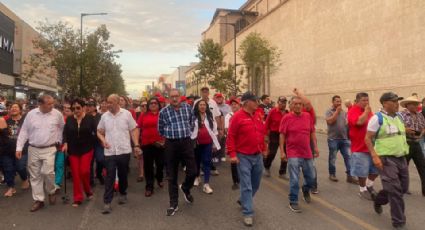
(336, 119)
(235, 105)
(388, 153)
(272, 128)
(245, 144)
(415, 129)
(361, 162)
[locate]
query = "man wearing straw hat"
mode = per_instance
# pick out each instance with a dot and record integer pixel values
(415, 130)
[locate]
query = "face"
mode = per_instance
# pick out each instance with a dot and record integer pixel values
(252, 105)
(122, 102)
(219, 100)
(391, 106)
(15, 110)
(104, 106)
(282, 104)
(153, 106)
(297, 106)
(363, 102)
(91, 109)
(202, 106)
(175, 98)
(113, 104)
(337, 102)
(47, 106)
(67, 110)
(78, 109)
(412, 107)
(235, 106)
(267, 101)
(205, 93)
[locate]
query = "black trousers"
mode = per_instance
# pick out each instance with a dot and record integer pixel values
(416, 154)
(176, 151)
(153, 162)
(113, 164)
(273, 147)
(235, 175)
(395, 182)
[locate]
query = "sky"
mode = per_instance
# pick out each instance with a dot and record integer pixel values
(155, 35)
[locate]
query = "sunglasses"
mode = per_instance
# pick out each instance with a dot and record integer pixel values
(154, 103)
(76, 108)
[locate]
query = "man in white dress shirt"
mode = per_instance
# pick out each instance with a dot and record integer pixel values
(42, 128)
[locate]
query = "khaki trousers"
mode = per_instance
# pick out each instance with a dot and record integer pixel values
(41, 166)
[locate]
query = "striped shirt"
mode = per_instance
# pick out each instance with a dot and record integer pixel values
(176, 124)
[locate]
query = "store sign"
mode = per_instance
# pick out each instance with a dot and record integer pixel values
(7, 36)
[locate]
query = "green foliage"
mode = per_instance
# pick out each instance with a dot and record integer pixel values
(60, 48)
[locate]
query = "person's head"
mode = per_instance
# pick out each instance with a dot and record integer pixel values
(265, 99)
(45, 103)
(296, 105)
(205, 92)
(66, 109)
(79, 107)
(411, 104)
(2, 98)
(348, 103)
(282, 102)
(389, 101)
(15, 109)
(249, 102)
(175, 98)
(123, 102)
(152, 105)
(336, 101)
(235, 104)
(219, 98)
(144, 106)
(362, 99)
(103, 106)
(91, 107)
(113, 103)
(201, 108)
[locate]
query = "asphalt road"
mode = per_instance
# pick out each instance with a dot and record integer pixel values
(337, 206)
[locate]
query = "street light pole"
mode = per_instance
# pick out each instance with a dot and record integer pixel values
(81, 48)
(234, 42)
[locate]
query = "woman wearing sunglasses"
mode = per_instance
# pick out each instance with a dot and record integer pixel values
(152, 145)
(79, 137)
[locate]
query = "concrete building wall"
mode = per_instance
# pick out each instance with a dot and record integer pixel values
(343, 47)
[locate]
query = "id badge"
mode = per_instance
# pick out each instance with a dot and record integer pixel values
(391, 130)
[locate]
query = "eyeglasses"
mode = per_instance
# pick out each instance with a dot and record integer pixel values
(154, 103)
(144, 105)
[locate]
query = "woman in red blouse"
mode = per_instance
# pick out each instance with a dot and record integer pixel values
(152, 145)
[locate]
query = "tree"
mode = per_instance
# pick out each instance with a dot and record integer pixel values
(212, 70)
(261, 59)
(59, 47)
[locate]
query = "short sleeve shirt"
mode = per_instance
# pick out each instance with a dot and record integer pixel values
(117, 131)
(339, 129)
(297, 130)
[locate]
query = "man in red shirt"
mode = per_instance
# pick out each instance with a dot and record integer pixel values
(245, 144)
(272, 127)
(361, 162)
(297, 132)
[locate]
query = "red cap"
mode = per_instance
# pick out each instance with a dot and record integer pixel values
(161, 99)
(235, 99)
(218, 95)
(183, 98)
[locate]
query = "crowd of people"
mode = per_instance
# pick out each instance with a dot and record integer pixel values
(97, 139)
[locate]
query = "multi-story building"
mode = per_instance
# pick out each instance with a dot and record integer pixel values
(15, 51)
(332, 47)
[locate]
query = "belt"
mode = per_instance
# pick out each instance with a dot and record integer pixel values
(43, 147)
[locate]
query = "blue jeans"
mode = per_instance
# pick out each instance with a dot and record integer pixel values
(203, 154)
(294, 166)
(11, 166)
(59, 167)
(250, 169)
(342, 146)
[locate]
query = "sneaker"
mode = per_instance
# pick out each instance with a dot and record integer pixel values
(122, 199)
(215, 160)
(171, 211)
(295, 208)
(107, 209)
(197, 181)
(207, 189)
(187, 196)
(201, 173)
(307, 197)
(352, 180)
(235, 186)
(215, 172)
(223, 159)
(267, 173)
(399, 226)
(378, 208)
(372, 192)
(365, 195)
(248, 221)
(314, 191)
(239, 203)
(333, 178)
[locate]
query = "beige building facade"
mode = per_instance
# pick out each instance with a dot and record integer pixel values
(335, 47)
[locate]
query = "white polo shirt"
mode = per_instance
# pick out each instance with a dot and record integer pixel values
(117, 131)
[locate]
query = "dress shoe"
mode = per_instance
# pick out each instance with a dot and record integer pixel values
(37, 206)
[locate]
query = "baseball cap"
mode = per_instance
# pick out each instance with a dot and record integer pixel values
(218, 95)
(390, 96)
(249, 96)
